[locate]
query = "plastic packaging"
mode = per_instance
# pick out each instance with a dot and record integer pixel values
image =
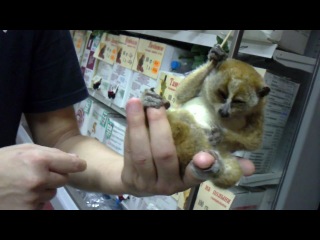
(99, 201)
(183, 65)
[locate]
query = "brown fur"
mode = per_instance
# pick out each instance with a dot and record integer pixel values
(237, 90)
(188, 140)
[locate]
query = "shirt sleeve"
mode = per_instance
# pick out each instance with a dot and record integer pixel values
(55, 77)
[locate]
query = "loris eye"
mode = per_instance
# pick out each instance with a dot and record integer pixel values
(222, 94)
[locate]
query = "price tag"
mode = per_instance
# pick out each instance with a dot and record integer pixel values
(211, 197)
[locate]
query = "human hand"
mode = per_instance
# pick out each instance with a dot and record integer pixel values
(151, 166)
(30, 174)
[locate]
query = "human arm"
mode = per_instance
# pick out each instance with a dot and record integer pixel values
(59, 129)
(150, 165)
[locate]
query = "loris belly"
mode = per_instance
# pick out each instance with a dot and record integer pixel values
(197, 108)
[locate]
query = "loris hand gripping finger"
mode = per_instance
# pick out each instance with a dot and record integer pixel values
(221, 110)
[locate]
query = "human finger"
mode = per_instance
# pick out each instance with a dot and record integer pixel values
(46, 195)
(162, 146)
(201, 160)
(62, 162)
(138, 140)
(247, 166)
(57, 160)
(56, 180)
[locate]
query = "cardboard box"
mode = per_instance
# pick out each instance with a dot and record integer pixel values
(211, 197)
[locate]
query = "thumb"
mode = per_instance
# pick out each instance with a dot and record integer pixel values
(197, 170)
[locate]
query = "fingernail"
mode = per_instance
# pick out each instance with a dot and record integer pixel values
(82, 166)
(134, 107)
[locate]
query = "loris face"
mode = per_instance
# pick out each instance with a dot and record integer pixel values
(236, 89)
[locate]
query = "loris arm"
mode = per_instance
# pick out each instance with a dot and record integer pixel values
(191, 85)
(249, 138)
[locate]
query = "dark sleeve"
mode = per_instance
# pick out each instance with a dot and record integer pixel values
(55, 78)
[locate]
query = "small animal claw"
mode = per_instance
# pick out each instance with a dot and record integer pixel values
(211, 172)
(217, 53)
(152, 99)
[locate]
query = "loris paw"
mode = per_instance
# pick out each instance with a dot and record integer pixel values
(151, 99)
(214, 135)
(213, 171)
(217, 53)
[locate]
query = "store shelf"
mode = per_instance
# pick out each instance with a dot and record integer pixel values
(76, 198)
(261, 179)
(194, 37)
(124, 205)
(63, 201)
(68, 198)
(106, 102)
(208, 38)
(295, 60)
(256, 48)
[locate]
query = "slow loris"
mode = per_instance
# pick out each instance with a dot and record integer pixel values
(221, 111)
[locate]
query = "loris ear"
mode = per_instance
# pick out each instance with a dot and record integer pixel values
(263, 92)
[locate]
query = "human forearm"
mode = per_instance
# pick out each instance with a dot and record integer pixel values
(59, 129)
(104, 166)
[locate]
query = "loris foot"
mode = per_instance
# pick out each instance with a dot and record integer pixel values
(214, 135)
(217, 53)
(212, 172)
(151, 99)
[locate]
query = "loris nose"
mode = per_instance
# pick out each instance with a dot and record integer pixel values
(223, 113)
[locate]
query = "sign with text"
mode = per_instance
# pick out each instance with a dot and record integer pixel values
(126, 50)
(211, 197)
(107, 49)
